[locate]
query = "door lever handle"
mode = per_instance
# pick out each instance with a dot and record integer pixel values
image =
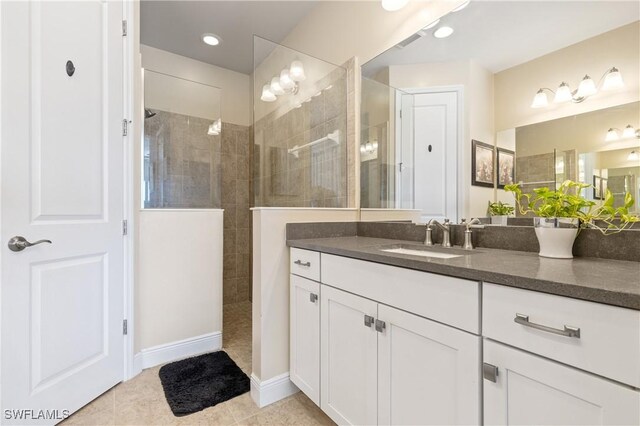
(20, 243)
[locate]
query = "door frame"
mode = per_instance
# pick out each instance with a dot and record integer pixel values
(458, 89)
(129, 60)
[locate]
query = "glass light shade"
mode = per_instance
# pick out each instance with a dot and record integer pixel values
(633, 156)
(286, 82)
(212, 130)
(462, 6)
(276, 89)
(563, 94)
(393, 5)
(296, 71)
(612, 135)
(443, 32)
(540, 100)
(267, 94)
(628, 131)
(613, 80)
(587, 87)
(218, 125)
(363, 149)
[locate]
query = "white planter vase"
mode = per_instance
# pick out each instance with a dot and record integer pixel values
(499, 220)
(556, 236)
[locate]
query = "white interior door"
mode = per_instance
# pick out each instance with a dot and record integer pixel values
(434, 155)
(62, 180)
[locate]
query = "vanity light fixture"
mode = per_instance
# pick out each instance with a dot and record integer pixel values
(393, 5)
(284, 83)
(613, 134)
(210, 39)
(610, 80)
(633, 156)
(443, 32)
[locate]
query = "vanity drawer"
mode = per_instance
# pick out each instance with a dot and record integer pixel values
(609, 337)
(451, 301)
(305, 263)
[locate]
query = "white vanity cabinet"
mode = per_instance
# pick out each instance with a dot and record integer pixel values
(568, 361)
(530, 390)
(304, 348)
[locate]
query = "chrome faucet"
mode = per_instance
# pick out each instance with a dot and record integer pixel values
(468, 244)
(446, 238)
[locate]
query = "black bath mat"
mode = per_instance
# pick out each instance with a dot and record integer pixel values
(193, 384)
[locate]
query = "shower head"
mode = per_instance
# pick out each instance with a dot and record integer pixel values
(148, 113)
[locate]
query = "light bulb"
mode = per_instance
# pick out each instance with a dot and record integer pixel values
(612, 135)
(633, 156)
(443, 32)
(563, 94)
(613, 80)
(286, 82)
(586, 88)
(628, 131)
(296, 71)
(393, 5)
(267, 94)
(276, 89)
(540, 100)
(210, 39)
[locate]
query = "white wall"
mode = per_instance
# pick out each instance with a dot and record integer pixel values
(180, 275)
(478, 115)
(236, 87)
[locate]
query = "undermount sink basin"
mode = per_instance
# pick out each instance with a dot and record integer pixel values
(437, 253)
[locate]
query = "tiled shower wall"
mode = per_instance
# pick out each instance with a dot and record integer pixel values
(236, 202)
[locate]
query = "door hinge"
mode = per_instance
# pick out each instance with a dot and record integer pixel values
(400, 114)
(125, 227)
(125, 327)
(125, 127)
(124, 28)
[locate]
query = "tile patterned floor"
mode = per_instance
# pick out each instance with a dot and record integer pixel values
(141, 401)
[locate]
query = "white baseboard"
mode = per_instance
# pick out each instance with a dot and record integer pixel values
(174, 351)
(267, 392)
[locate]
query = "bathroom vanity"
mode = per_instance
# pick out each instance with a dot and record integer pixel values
(379, 336)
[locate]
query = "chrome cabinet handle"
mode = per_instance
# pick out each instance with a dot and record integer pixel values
(313, 298)
(568, 331)
(301, 263)
(380, 326)
(368, 320)
(19, 243)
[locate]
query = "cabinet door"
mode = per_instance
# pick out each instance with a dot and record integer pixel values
(349, 358)
(305, 336)
(428, 373)
(537, 391)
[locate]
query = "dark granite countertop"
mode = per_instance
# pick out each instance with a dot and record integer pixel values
(613, 282)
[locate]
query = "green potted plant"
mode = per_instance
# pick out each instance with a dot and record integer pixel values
(560, 214)
(499, 212)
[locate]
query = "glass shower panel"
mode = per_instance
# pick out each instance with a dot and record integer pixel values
(386, 147)
(300, 129)
(181, 146)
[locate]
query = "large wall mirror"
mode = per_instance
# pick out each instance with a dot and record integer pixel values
(503, 91)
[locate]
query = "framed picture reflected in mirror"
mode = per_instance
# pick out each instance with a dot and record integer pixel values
(506, 167)
(482, 164)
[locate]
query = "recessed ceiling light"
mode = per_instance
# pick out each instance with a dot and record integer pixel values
(210, 39)
(462, 6)
(443, 32)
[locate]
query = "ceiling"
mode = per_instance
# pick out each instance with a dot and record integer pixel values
(501, 34)
(177, 26)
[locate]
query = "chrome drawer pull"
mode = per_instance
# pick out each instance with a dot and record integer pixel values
(301, 263)
(568, 331)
